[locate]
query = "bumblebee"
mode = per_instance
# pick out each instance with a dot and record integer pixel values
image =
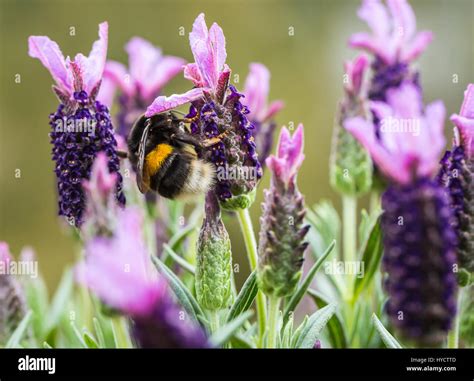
(166, 157)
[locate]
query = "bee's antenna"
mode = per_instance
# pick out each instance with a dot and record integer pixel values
(122, 154)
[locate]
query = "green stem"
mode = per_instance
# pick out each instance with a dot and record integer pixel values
(120, 331)
(453, 336)
(273, 311)
(214, 320)
(349, 215)
(374, 202)
(251, 245)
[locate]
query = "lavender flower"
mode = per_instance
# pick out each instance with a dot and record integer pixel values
(217, 108)
(350, 165)
(257, 86)
(394, 43)
(456, 174)
(213, 259)
(81, 127)
(281, 244)
(149, 71)
(418, 237)
(119, 271)
(12, 298)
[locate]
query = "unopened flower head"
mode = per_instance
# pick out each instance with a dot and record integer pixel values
(81, 127)
(350, 165)
(119, 271)
(261, 115)
(217, 112)
(282, 229)
(148, 72)
(419, 241)
(213, 259)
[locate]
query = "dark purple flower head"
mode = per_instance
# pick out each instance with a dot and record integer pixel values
(419, 259)
(457, 174)
(118, 269)
(149, 71)
(261, 114)
(81, 127)
(219, 110)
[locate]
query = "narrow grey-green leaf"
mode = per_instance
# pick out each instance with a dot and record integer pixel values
(315, 325)
(47, 346)
(337, 333)
(60, 300)
(371, 253)
(386, 336)
(303, 287)
(19, 332)
(239, 341)
(245, 297)
(179, 260)
(185, 298)
(226, 332)
(99, 332)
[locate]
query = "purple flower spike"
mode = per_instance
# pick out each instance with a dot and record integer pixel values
(394, 37)
(81, 126)
(149, 71)
(465, 122)
(289, 156)
(281, 244)
(410, 140)
(261, 114)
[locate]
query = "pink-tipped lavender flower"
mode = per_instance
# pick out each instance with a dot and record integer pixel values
(419, 240)
(119, 271)
(394, 43)
(261, 114)
(282, 233)
(216, 109)
(350, 165)
(149, 71)
(81, 127)
(12, 297)
(456, 173)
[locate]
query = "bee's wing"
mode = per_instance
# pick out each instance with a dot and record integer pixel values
(141, 159)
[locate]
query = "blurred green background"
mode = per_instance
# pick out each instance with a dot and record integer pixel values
(306, 73)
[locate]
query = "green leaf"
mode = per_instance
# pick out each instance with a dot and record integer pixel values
(297, 332)
(371, 254)
(245, 297)
(387, 338)
(315, 324)
(299, 293)
(89, 339)
(179, 260)
(176, 240)
(78, 335)
(287, 333)
(239, 341)
(226, 332)
(99, 332)
(37, 299)
(19, 332)
(327, 226)
(337, 333)
(47, 346)
(185, 298)
(61, 297)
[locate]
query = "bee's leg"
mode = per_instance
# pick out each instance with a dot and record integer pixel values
(206, 143)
